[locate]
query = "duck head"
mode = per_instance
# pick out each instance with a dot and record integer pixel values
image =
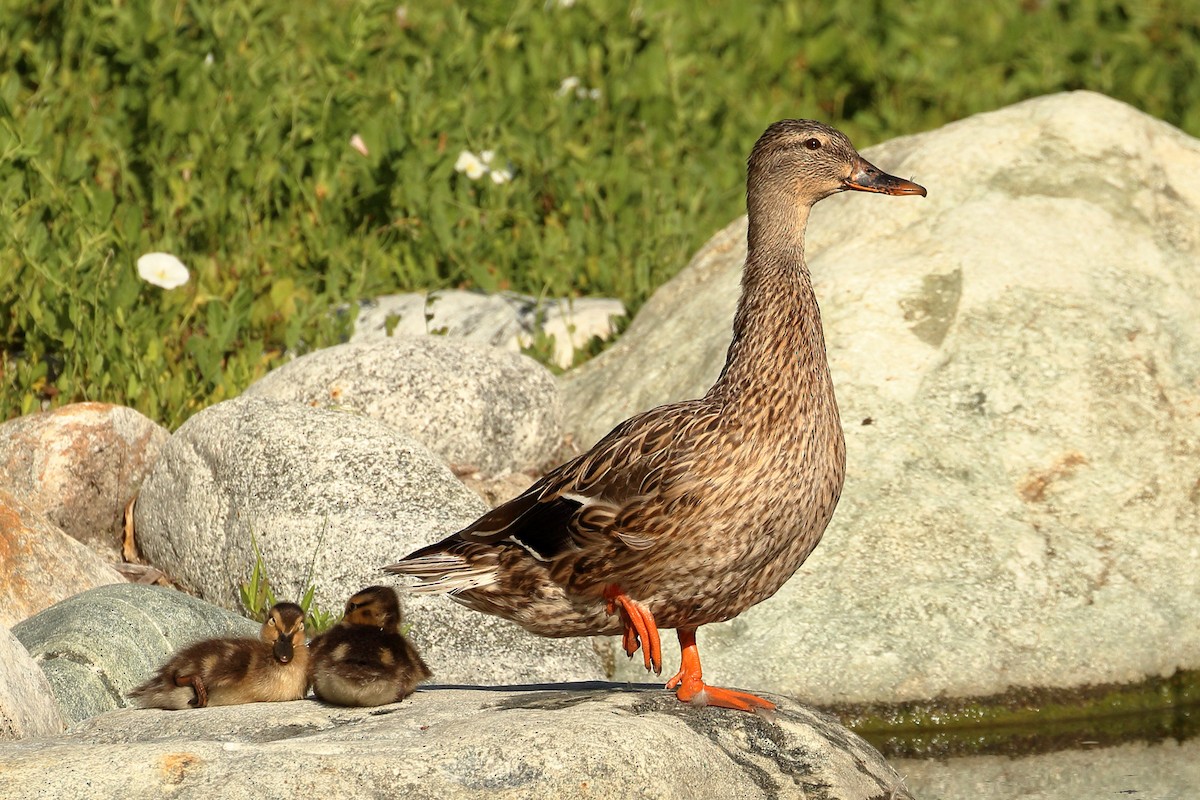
(808, 160)
(375, 606)
(284, 631)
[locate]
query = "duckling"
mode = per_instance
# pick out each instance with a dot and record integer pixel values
(364, 660)
(226, 672)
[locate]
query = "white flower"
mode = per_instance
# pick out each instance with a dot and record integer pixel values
(476, 166)
(208, 60)
(572, 84)
(358, 144)
(568, 85)
(163, 270)
(469, 163)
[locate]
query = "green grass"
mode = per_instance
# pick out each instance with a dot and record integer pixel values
(257, 594)
(220, 132)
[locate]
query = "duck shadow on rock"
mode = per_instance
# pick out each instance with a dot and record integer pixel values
(561, 696)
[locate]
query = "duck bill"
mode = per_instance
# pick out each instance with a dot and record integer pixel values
(283, 649)
(870, 178)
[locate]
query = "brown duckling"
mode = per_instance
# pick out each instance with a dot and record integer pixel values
(364, 660)
(226, 672)
(692, 512)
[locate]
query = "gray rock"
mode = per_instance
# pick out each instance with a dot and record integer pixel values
(1017, 362)
(506, 320)
(497, 490)
(27, 706)
(528, 742)
(330, 497)
(494, 320)
(470, 404)
(573, 324)
(80, 465)
(97, 646)
(41, 564)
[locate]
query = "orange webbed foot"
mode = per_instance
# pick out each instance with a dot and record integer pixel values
(698, 693)
(690, 687)
(640, 628)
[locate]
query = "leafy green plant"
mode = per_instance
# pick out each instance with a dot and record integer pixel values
(224, 134)
(257, 595)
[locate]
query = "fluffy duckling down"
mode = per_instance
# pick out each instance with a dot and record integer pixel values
(364, 660)
(225, 672)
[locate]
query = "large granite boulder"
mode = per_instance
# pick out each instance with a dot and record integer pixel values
(97, 646)
(27, 706)
(41, 565)
(472, 405)
(80, 465)
(1017, 362)
(527, 742)
(329, 498)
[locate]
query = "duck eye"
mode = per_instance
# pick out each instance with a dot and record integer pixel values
(812, 144)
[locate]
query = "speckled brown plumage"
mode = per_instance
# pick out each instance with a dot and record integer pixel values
(364, 660)
(692, 511)
(225, 672)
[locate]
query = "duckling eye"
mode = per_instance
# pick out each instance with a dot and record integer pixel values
(813, 144)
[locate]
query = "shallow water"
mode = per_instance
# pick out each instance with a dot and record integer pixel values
(1140, 742)
(1168, 770)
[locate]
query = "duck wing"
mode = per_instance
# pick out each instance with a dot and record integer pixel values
(611, 495)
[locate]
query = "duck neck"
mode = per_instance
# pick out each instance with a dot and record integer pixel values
(778, 349)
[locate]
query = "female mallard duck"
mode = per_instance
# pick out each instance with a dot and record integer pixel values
(364, 660)
(226, 672)
(691, 512)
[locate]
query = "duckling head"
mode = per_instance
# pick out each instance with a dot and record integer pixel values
(284, 630)
(375, 606)
(803, 160)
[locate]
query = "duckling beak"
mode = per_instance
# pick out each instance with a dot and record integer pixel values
(283, 649)
(870, 178)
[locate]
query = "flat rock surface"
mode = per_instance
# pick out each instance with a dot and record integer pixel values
(80, 465)
(593, 740)
(472, 405)
(1017, 363)
(39, 564)
(329, 498)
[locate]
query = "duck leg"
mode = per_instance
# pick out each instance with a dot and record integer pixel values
(692, 689)
(640, 629)
(197, 686)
